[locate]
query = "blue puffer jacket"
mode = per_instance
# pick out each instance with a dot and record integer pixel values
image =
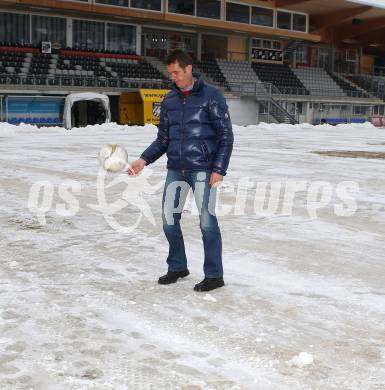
(195, 131)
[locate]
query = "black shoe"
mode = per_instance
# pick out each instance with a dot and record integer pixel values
(172, 277)
(208, 284)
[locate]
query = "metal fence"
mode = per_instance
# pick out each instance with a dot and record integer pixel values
(270, 98)
(374, 85)
(274, 106)
(77, 81)
(247, 88)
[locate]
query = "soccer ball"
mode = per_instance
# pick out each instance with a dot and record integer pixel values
(113, 158)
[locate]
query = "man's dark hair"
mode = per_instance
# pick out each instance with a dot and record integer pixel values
(179, 56)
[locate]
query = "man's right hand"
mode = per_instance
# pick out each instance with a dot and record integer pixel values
(136, 167)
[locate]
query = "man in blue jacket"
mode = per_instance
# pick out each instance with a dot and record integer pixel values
(196, 133)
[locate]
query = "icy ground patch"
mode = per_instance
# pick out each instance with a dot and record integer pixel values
(304, 301)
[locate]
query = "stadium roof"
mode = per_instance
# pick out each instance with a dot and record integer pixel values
(373, 3)
(360, 23)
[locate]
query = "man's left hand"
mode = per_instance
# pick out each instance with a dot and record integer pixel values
(215, 179)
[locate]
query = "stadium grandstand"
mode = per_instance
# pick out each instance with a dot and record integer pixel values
(290, 60)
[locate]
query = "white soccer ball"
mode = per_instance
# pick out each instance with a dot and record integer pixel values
(113, 158)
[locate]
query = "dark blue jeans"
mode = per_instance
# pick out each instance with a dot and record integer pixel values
(176, 188)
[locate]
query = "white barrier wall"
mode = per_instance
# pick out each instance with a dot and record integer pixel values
(243, 111)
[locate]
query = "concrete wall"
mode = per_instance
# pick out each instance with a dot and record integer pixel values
(243, 112)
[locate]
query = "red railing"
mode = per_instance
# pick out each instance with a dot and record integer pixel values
(76, 53)
(19, 49)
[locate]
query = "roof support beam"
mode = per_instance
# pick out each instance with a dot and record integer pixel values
(375, 37)
(333, 18)
(352, 31)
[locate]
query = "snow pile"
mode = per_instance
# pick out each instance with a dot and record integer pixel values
(8, 129)
(302, 360)
(308, 126)
(209, 298)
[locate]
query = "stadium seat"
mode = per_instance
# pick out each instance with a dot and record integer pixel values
(281, 76)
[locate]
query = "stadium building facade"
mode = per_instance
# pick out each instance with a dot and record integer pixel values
(277, 60)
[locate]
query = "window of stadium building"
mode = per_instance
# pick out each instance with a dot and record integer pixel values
(45, 28)
(121, 37)
(284, 20)
(153, 5)
(237, 13)
(209, 9)
(88, 35)
(262, 16)
(299, 22)
(119, 3)
(14, 28)
(185, 7)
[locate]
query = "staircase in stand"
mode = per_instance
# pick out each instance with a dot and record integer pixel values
(158, 64)
(269, 96)
(292, 47)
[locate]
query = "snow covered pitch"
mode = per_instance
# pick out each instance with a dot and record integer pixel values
(302, 213)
